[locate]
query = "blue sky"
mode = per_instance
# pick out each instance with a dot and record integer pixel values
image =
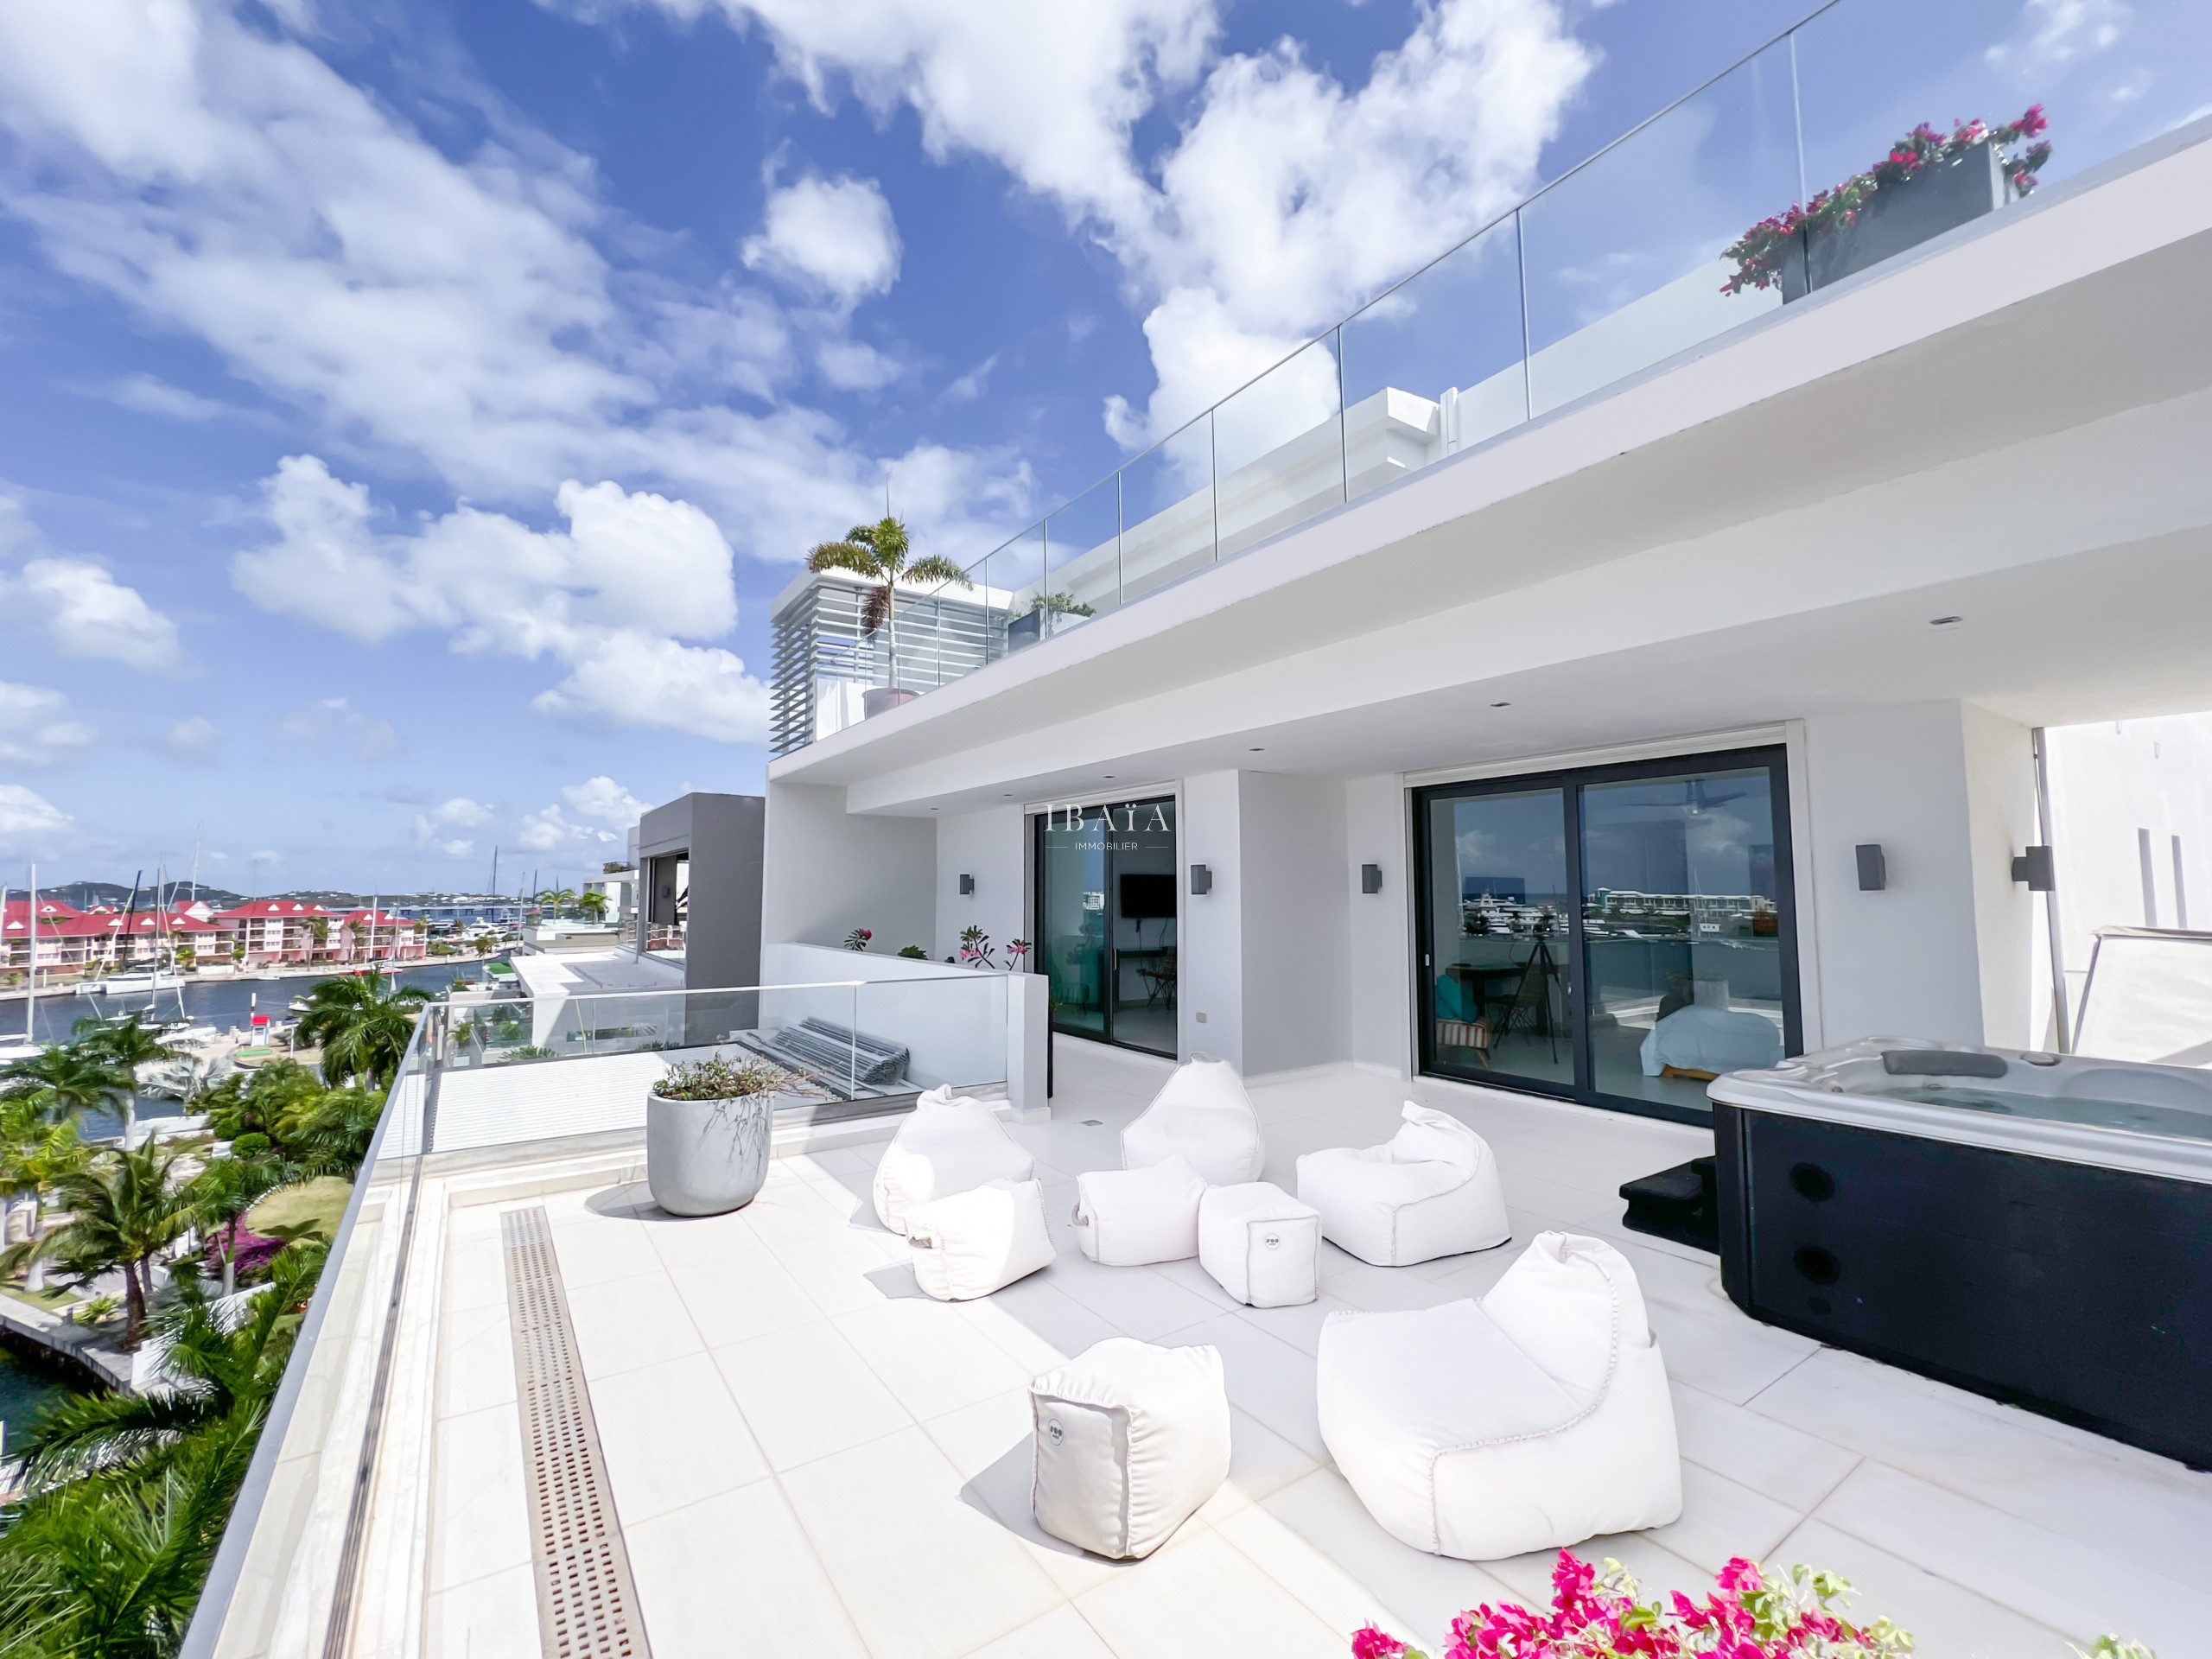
(413, 410)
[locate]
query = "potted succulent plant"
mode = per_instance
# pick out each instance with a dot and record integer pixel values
(707, 1126)
(1929, 182)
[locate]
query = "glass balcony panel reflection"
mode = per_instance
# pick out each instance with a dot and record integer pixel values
(1018, 586)
(1167, 527)
(1278, 449)
(1083, 544)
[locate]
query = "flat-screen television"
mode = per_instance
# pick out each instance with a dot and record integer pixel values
(1147, 898)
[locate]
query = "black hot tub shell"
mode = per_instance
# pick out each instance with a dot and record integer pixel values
(2033, 1227)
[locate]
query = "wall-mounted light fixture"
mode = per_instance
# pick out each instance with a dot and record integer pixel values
(2034, 867)
(1201, 879)
(1873, 868)
(966, 885)
(1370, 878)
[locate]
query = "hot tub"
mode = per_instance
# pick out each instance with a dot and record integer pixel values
(2035, 1227)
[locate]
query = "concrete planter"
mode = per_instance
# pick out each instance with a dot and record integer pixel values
(703, 1157)
(1939, 199)
(881, 699)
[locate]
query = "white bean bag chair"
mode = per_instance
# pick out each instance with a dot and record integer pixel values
(1203, 1113)
(1262, 1246)
(980, 1241)
(1130, 1440)
(945, 1146)
(1126, 1217)
(1431, 1190)
(1532, 1419)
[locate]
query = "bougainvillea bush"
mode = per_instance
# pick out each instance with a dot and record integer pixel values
(1759, 252)
(1595, 1615)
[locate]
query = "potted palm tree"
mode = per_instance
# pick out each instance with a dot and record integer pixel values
(882, 554)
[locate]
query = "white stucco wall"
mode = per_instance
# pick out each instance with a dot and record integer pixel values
(1209, 960)
(1295, 905)
(993, 847)
(827, 872)
(2012, 946)
(1379, 932)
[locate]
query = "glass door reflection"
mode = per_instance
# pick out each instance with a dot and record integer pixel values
(1071, 916)
(1682, 932)
(1106, 903)
(1499, 954)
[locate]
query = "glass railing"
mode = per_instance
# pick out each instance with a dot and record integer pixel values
(488, 1089)
(1634, 256)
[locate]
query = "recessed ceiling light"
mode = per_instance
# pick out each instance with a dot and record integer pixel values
(1945, 621)
(1259, 751)
(1501, 705)
(1109, 777)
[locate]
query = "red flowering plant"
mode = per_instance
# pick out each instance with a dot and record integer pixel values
(1595, 1615)
(1759, 252)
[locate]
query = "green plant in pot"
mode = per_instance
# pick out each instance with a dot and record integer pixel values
(707, 1127)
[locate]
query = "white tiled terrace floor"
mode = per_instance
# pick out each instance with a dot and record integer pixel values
(807, 1456)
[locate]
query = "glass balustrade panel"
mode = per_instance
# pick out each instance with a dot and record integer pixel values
(1279, 457)
(1167, 524)
(1018, 570)
(1083, 545)
(1626, 259)
(1434, 366)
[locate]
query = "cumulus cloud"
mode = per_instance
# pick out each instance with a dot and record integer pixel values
(548, 831)
(84, 611)
(29, 823)
(35, 726)
(609, 598)
(150, 395)
(330, 720)
(835, 237)
(603, 798)
(192, 739)
(435, 828)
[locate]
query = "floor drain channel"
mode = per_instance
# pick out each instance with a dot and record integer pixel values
(587, 1605)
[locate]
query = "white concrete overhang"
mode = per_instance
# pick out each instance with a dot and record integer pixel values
(2010, 425)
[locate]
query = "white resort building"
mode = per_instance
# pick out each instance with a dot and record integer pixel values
(1533, 700)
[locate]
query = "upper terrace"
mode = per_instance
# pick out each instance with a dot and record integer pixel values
(801, 1454)
(1572, 385)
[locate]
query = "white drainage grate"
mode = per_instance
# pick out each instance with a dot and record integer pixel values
(587, 1605)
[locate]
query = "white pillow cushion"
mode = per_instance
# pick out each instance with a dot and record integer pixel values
(945, 1146)
(1461, 1442)
(1126, 1217)
(1203, 1113)
(980, 1241)
(1431, 1190)
(1262, 1246)
(1130, 1440)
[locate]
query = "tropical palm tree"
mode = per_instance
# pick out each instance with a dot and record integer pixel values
(128, 1045)
(221, 1194)
(882, 552)
(362, 1022)
(68, 1079)
(593, 903)
(124, 1209)
(217, 1358)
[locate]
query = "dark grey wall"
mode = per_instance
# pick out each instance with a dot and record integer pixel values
(723, 835)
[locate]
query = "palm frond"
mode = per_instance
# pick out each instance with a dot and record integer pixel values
(91, 1432)
(846, 555)
(937, 568)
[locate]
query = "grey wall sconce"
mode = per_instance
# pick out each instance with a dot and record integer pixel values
(966, 885)
(2034, 867)
(1873, 868)
(1370, 878)
(1201, 879)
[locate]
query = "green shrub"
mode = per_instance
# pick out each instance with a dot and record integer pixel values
(252, 1145)
(914, 951)
(718, 1077)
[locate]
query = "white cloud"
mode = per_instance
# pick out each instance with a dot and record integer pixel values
(1285, 199)
(150, 395)
(35, 726)
(2054, 33)
(547, 831)
(192, 738)
(834, 236)
(603, 798)
(331, 719)
(609, 598)
(854, 365)
(267, 859)
(431, 828)
(29, 823)
(87, 612)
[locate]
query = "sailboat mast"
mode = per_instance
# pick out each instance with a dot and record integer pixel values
(30, 1002)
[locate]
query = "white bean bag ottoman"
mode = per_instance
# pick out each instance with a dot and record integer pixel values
(1126, 1217)
(1203, 1113)
(945, 1146)
(1532, 1419)
(980, 1241)
(1431, 1190)
(1262, 1246)
(1130, 1440)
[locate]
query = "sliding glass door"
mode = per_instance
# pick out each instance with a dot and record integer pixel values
(1106, 921)
(1618, 935)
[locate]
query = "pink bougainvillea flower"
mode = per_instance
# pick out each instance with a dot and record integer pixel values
(1368, 1642)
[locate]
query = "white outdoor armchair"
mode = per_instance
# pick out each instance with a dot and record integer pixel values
(1203, 1113)
(945, 1146)
(1532, 1419)
(1431, 1190)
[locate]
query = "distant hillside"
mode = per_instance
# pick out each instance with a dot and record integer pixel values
(86, 895)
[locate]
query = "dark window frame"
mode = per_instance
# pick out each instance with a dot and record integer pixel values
(1039, 823)
(1569, 781)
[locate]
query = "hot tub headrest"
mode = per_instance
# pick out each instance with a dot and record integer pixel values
(1941, 1063)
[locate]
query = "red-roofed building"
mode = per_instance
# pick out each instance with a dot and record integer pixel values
(381, 936)
(277, 930)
